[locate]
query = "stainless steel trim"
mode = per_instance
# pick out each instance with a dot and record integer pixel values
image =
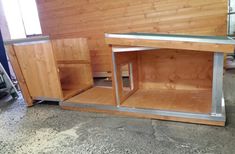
(24, 40)
(173, 38)
(211, 117)
(127, 49)
(217, 87)
(115, 78)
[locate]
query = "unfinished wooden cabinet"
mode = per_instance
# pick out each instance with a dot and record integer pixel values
(52, 69)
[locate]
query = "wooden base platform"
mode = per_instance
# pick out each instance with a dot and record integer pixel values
(194, 101)
(69, 92)
(95, 95)
(100, 99)
(148, 116)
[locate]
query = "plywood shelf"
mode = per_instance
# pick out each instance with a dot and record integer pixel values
(72, 91)
(195, 101)
(96, 95)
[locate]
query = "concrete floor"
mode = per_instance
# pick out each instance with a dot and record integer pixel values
(46, 128)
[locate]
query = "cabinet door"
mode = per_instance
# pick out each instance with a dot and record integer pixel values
(39, 69)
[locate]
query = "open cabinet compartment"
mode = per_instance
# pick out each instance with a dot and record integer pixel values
(166, 79)
(52, 69)
(73, 64)
(171, 77)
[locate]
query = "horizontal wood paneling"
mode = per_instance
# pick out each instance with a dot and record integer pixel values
(93, 18)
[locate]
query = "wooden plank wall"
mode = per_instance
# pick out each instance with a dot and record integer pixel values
(93, 18)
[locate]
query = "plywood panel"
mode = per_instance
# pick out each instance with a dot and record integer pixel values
(74, 65)
(95, 95)
(73, 76)
(175, 69)
(171, 100)
(71, 49)
(19, 75)
(39, 69)
(93, 18)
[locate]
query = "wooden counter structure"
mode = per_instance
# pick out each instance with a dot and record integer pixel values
(167, 77)
(50, 70)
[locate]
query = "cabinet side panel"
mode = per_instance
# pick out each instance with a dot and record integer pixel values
(19, 75)
(39, 69)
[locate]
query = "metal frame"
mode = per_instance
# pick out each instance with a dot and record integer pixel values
(128, 49)
(218, 105)
(25, 40)
(217, 89)
(184, 38)
(149, 111)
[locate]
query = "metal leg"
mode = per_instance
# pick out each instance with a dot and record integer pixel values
(217, 91)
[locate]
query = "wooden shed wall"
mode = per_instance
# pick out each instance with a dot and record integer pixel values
(93, 18)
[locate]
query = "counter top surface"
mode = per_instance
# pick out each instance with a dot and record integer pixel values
(170, 37)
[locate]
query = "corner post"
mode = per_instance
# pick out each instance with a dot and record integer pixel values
(115, 78)
(217, 84)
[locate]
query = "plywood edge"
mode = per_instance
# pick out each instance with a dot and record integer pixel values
(147, 116)
(72, 93)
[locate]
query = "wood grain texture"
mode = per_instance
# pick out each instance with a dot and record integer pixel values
(75, 76)
(19, 75)
(123, 59)
(225, 48)
(74, 65)
(171, 100)
(91, 19)
(149, 116)
(95, 95)
(39, 69)
(175, 69)
(71, 49)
